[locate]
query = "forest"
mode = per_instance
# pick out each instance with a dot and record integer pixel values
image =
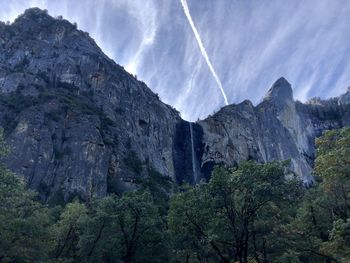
(254, 213)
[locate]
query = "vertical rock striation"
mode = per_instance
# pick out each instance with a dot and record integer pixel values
(77, 123)
(279, 128)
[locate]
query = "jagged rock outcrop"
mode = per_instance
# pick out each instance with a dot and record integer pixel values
(279, 128)
(345, 98)
(79, 125)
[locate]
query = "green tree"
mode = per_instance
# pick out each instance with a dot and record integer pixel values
(310, 228)
(66, 231)
(319, 232)
(338, 244)
(24, 222)
(333, 166)
(98, 236)
(124, 229)
(189, 220)
(233, 216)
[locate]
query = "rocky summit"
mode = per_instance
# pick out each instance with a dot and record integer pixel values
(78, 124)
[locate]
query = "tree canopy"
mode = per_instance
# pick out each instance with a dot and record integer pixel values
(254, 213)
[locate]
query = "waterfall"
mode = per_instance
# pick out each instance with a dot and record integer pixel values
(195, 179)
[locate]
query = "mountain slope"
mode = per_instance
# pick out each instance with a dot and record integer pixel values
(79, 125)
(73, 117)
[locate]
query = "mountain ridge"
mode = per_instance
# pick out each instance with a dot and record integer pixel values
(79, 124)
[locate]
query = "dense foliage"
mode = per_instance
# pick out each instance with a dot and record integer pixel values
(251, 213)
(235, 215)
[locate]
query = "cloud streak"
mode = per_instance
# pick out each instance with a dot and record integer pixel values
(202, 49)
(146, 14)
(253, 42)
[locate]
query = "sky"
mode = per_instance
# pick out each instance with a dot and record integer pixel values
(195, 54)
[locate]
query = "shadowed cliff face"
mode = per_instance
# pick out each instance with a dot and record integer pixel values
(186, 164)
(279, 128)
(79, 125)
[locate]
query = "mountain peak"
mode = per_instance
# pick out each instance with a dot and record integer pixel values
(33, 14)
(281, 90)
(35, 20)
(35, 11)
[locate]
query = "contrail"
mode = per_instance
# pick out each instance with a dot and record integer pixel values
(202, 49)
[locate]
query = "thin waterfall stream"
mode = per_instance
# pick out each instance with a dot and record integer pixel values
(193, 155)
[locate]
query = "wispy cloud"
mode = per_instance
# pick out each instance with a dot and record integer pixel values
(146, 15)
(252, 43)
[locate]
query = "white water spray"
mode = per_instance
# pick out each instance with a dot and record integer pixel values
(193, 153)
(201, 47)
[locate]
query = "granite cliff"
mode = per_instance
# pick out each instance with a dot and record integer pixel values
(78, 124)
(279, 128)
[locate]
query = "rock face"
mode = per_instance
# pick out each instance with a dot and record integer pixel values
(79, 125)
(279, 128)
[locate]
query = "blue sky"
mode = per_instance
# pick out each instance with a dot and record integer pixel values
(250, 43)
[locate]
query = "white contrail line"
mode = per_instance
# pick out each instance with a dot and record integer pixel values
(202, 49)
